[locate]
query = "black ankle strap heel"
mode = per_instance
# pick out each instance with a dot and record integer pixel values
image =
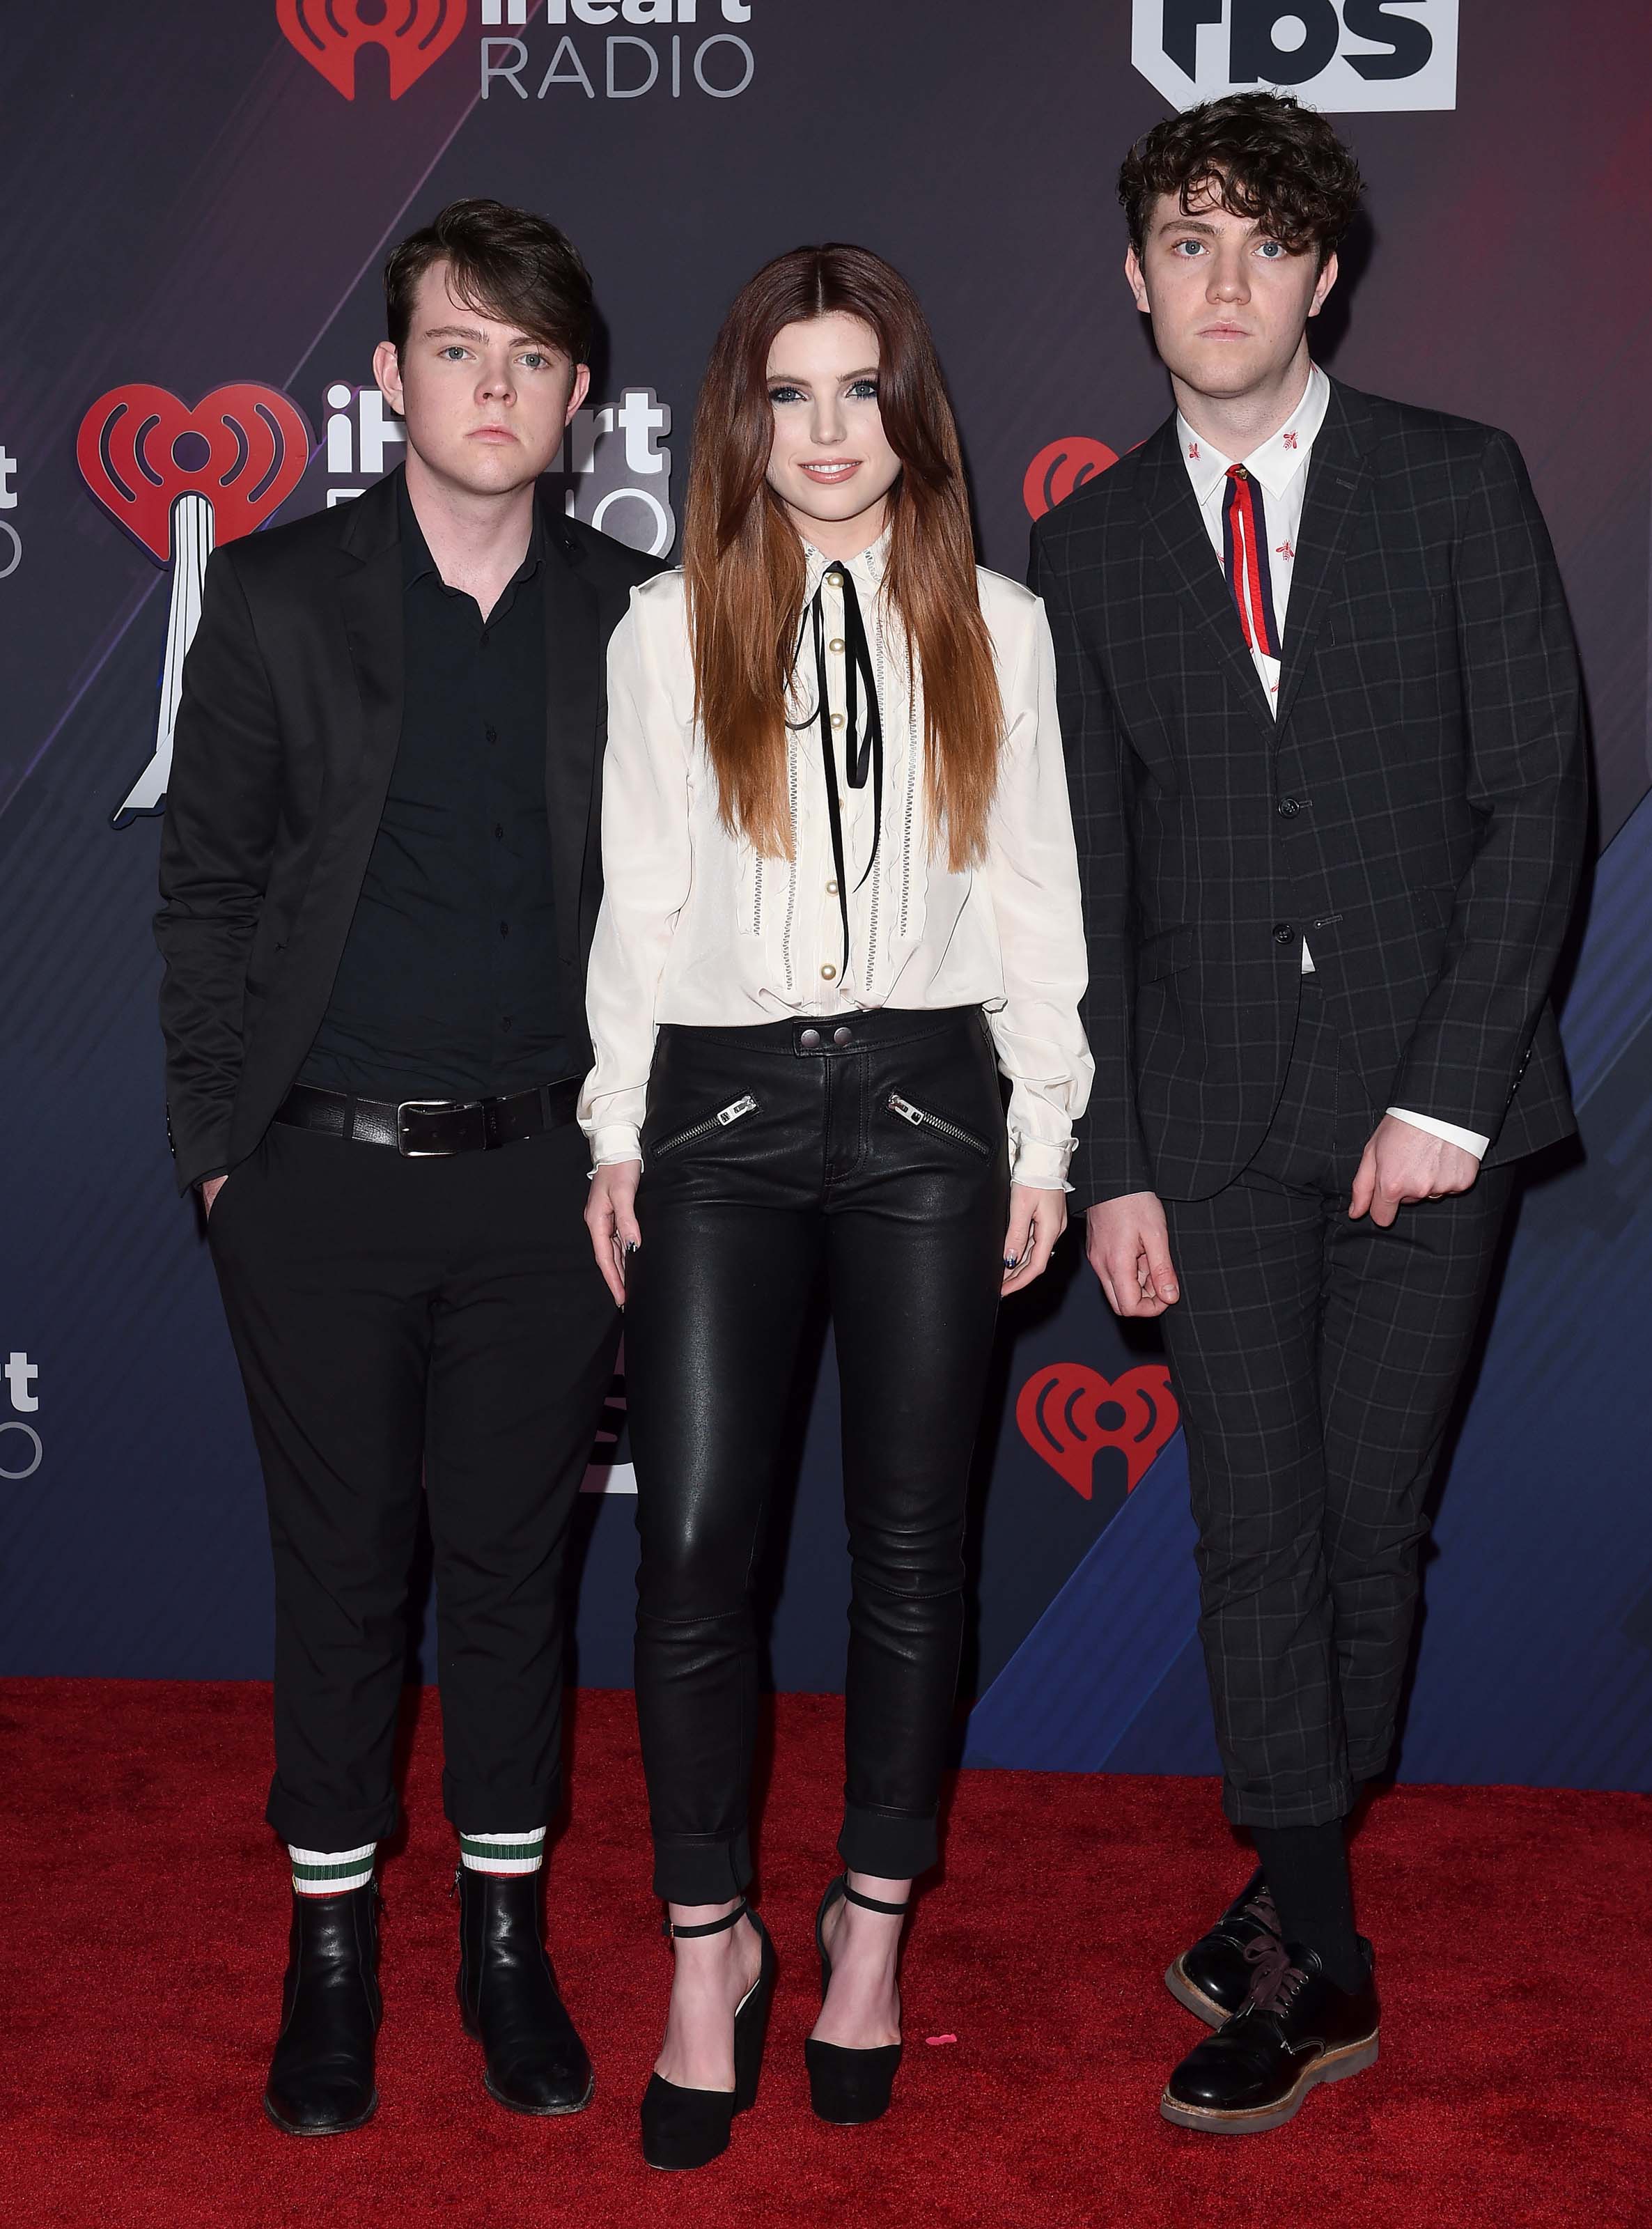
(847, 2087)
(672, 1932)
(690, 2128)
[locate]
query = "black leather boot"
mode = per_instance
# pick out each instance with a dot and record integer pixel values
(321, 2077)
(1213, 1979)
(1294, 2030)
(508, 1998)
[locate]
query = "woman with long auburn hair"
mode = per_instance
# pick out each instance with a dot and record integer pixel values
(841, 901)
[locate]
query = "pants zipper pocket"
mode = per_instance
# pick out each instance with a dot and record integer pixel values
(920, 1118)
(720, 1121)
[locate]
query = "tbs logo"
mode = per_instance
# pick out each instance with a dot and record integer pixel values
(1337, 55)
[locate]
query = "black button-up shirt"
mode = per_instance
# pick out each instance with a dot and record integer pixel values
(447, 987)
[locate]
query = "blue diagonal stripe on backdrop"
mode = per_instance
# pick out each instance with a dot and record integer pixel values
(1067, 1696)
(1611, 1000)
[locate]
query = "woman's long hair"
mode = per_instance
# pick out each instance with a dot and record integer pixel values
(744, 563)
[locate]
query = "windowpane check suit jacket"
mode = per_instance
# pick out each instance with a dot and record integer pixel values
(1417, 809)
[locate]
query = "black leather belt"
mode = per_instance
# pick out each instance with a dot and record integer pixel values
(424, 1129)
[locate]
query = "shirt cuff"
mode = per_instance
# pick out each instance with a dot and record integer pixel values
(1043, 1166)
(615, 1142)
(1470, 1140)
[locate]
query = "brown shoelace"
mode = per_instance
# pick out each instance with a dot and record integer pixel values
(1277, 1981)
(1263, 1909)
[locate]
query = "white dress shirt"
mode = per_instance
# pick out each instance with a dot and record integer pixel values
(1279, 465)
(697, 927)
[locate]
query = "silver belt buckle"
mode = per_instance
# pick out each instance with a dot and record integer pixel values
(428, 1106)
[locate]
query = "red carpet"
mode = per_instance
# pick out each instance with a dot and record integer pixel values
(145, 1916)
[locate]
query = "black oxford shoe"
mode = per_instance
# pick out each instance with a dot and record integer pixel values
(1213, 1979)
(1295, 2029)
(321, 2075)
(507, 1998)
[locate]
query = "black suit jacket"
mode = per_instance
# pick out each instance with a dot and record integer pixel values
(1417, 810)
(285, 738)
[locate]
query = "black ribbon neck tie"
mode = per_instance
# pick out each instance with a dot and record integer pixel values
(862, 742)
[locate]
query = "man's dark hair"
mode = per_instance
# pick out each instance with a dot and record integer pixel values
(503, 263)
(1258, 154)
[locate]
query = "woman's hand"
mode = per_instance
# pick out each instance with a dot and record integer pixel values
(611, 1218)
(1037, 1220)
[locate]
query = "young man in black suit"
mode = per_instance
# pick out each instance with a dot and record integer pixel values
(380, 873)
(1325, 742)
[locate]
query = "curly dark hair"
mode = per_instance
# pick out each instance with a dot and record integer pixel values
(1259, 155)
(504, 263)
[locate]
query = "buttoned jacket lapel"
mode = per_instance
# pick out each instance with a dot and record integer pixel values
(1338, 488)
(573, 722)
(362, 744)
(1186, 558)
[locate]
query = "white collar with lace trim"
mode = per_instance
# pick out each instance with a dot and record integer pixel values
(1275, 462)
(866, 569)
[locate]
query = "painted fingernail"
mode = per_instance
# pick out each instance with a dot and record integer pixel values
(1010, 1260)
(630, 1246)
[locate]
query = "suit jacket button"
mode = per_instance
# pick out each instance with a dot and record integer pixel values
(1281, 932)
(1288, 807)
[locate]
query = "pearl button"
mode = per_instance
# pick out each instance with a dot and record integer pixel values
(831, 890)
(835, 578)
(837, 644)
(810, 1040)
(829, 974)
(837, 719)
(840, 1038)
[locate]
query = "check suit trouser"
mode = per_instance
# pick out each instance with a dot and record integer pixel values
(1315, 1359)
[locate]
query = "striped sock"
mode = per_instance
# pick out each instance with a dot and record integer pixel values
(503, 1853)
(330, 1872)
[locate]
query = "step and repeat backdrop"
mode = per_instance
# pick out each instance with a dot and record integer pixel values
(201, 198)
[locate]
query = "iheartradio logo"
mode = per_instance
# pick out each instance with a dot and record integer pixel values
(331, 34)
(1061, 467)
(1068, 1413)
(181, 481)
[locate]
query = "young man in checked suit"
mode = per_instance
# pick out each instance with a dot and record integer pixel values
(1325, 740)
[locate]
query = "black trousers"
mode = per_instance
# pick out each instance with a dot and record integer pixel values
(393, 1318)
(1316, 1360)
(771, 1155)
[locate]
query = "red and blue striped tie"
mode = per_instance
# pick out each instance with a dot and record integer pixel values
(1244, 557)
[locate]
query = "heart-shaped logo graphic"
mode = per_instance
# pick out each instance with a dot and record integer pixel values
(1061, 469)
(1068, 1413)
(243, 447)
(329, 34)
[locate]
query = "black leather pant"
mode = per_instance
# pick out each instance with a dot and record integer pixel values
(770, 1154)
